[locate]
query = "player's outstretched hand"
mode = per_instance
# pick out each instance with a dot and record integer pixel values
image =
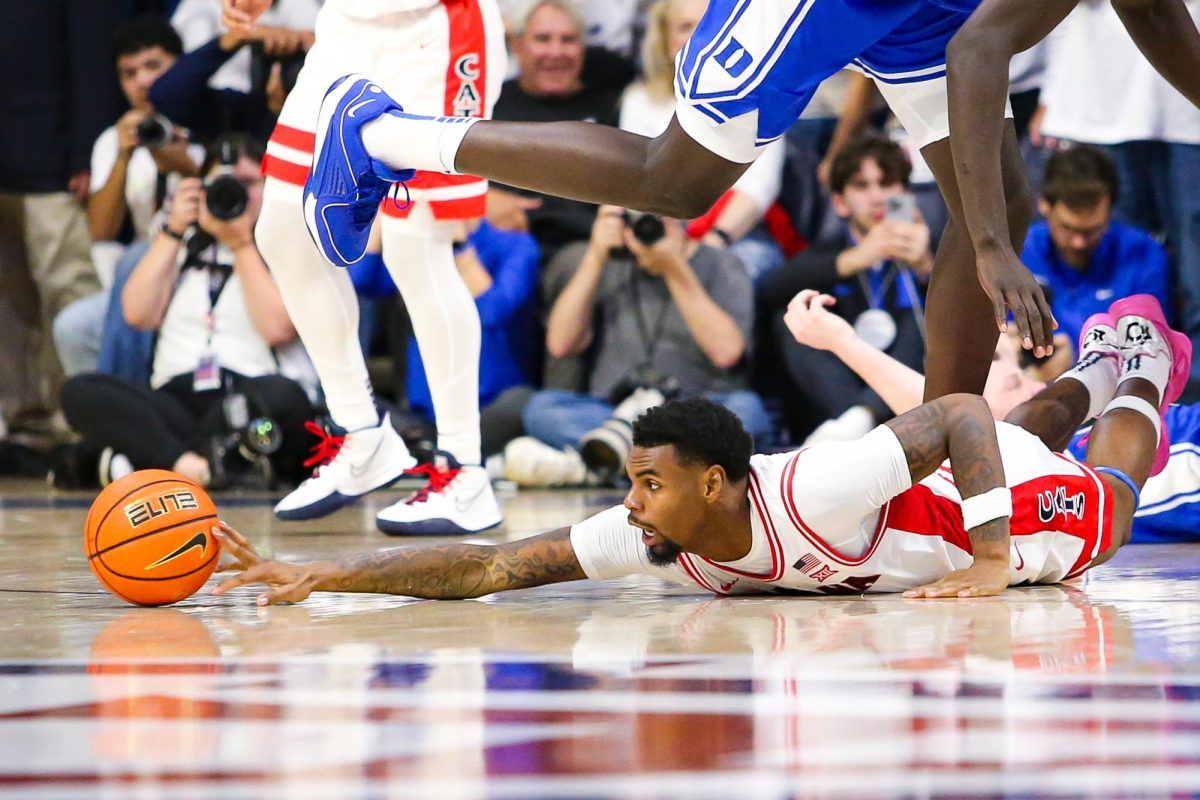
(287, 583)
(981, 579)
(1011, 287)
(810, 322)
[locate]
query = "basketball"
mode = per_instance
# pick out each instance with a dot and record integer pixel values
(148, 537)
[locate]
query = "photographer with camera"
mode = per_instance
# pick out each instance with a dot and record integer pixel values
(875, 267)
(668, 317)
(214, 391)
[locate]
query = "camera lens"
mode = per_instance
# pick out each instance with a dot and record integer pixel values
(647, 228)
(225, 197)
(151, 132)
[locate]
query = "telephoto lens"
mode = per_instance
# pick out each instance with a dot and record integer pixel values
(225, 197)
(154, 131)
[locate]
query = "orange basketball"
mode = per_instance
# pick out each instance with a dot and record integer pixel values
(147, 537)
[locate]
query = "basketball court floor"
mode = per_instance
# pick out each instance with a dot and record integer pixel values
(621, 690)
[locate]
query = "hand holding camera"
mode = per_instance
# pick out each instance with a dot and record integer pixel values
(608, 232)
(663, 257)
(185, 206)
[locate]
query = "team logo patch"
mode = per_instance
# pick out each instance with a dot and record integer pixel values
(1054, 503)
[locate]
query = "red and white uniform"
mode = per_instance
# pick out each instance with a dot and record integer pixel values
(844, 518)
(435, 57)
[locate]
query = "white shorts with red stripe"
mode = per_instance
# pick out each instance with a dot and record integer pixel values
(445, 59)
(843, 518)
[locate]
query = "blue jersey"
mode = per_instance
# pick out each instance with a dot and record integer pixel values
(1170, 508)
(751, 66)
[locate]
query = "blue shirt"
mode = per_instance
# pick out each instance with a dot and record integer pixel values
(506, 313)
(1128, 261)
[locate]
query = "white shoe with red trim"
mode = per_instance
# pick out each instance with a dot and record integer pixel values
(348, 466)
(458, 500)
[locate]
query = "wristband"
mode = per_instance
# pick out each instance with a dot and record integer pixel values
(983, 508)
(176, 236)
(723, 236)
(461, 247)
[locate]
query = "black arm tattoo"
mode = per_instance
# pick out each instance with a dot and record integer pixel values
(457, 571)
(960, 427)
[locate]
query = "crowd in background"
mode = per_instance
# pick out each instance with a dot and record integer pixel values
(131, 133)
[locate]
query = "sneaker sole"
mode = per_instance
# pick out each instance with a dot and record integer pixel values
(329, 105)
(429, 527)
(1147, 307)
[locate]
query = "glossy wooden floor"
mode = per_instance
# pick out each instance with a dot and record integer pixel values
(627, 689)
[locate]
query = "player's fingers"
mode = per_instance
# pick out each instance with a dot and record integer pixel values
(1000, 311)
(1037, 327)
(1021, 320)
(241, 579)
(1048, 321)
(288, 593)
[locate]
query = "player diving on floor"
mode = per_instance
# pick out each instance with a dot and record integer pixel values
(942, 501)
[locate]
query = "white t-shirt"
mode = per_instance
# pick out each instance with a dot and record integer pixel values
(141, 178)
(610, 24)
(643, 114)
(1100, 89)
(199, 22)
(183, 337)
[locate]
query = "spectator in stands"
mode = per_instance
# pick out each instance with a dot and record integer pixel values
(548, 45)
(199, 22)
(501, 270)
(647, 109)
(184, 94)
(1099, 89)
(874, 266)
(672, 318)
(133, 171)
(59, 94)
(1084, 257)
(204, 289)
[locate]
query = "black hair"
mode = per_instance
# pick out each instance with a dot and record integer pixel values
(1080, 178)
(144, 32)
(701, 431)
(883, 151)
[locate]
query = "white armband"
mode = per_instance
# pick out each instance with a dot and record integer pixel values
(983, 508)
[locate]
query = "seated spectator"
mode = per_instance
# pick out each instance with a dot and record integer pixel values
(204, 289)
(873, 267)
(184, 96)
(500, 268)
(647, 109)
(548, 45)
(1084, 257)
(132, 173)
(672, 318)
(199, 22)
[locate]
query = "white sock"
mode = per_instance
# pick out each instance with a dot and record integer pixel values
(1098, 374)
(406, 141)
(322, 304)
(419, 256)
(1140, 406)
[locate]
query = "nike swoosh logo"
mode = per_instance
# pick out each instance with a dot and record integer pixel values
(725, 587)
(463, 504)
(358, 473)
(350, 111)
(1020, 558)
(199, 540)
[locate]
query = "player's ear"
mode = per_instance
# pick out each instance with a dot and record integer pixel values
(714, 481)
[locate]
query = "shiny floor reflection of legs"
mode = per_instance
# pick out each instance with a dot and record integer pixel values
(626, 690)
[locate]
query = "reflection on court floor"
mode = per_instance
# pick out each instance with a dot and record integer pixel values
(628, 689)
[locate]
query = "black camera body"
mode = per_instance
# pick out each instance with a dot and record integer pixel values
(155, 131)
(240, 454)
(644, 377)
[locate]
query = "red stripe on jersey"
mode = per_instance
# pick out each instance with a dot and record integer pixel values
(466, 72)
(285, 171)
(458, 208)
(686, 561)
(918, 510)
(789, 506)
(773, 542)
(294, 138)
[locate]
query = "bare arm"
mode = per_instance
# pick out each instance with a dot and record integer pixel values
(714, 330)
(441, 572)
(106, 208)
(977, 72)
(1166, 34)
(151, 285)
(961, 427)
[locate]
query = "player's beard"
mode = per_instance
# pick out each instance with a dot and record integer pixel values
(664, 554)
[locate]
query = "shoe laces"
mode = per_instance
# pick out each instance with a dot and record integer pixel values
(439, 478)
(325, 450)
(394, 195)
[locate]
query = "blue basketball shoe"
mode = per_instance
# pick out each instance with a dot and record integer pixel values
(346, 186)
